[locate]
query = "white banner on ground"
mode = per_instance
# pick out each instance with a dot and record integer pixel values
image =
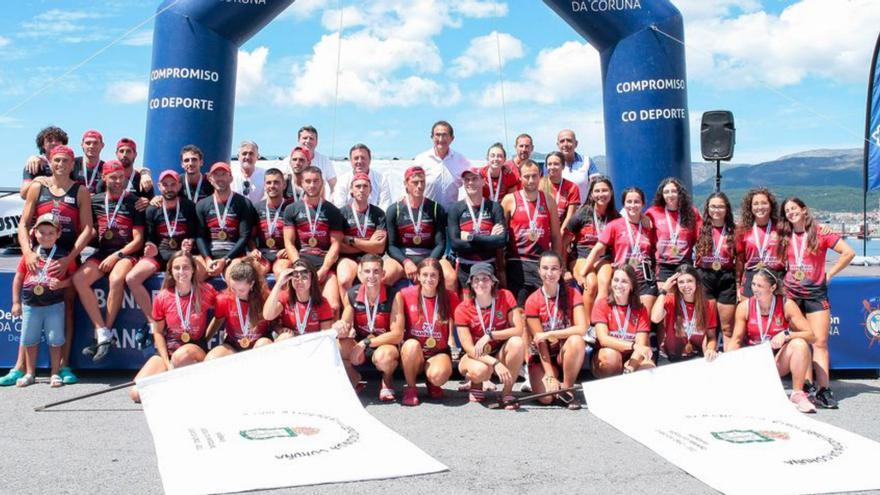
(282, 415)
(729, 424)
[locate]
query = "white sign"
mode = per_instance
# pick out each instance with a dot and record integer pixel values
(730, 424)
(282, 415)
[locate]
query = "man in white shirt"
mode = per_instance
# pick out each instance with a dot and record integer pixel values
(308, 138)
(360, 157)
(247, 179)
(443, 166)
(576, 169)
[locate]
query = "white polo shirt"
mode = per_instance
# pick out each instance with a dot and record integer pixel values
(442, 175)
(380, 194)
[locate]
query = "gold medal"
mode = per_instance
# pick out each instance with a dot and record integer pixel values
(430, 342)
(313, 241)
(38, 290)
(760, 266)
(633, 262)
(487, 349)
(716, 265)
(244, 342)
(533, 236)
(185, 337)
(689, 348)
(675, 251)
(108, 234)
(799, 275)
(417, 239)
(270, 242)
(222, 235)
(172, 243)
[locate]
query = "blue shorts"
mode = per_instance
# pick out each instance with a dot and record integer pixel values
(36, 320)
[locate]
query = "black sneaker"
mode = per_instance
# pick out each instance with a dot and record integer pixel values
(810, 388)
(89, 351)
(102, 349)
(825, 398)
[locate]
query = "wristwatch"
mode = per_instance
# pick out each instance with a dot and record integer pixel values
(470, 236)
(366, 342)
(120, 254)
(351, 240)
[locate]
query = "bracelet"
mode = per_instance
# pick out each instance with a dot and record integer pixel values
(662, 292)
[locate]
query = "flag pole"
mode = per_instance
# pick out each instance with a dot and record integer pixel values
(868, 147)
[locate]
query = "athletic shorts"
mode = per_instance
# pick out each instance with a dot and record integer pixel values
(666, 270)
(720, 285)
(813, 304)
(648, 288)
(316, 261)
(523, 279)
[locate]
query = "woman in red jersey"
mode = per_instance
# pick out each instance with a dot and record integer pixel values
(676, 224)
(297, 299)
(240, 309)
(768, 317)
(556, 320)
(622, 327)
(584, 229)
(716, 252)
(427, 310)
(490, 329)
(804, 249)
(688, 317)
(757, 238)
(500, 180)
(565, 192)
(180, 318)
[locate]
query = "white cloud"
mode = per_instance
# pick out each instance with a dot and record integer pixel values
(830, 39)
(249, 79)
(480, 8)
(558, 74)
(70, 26)
(700, 9)
(482, 54)
(10, 122)
(351, 17)
(127, 92)
(140, 38)
(4, 41)
(303, 9)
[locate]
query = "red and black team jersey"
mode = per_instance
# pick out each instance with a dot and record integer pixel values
(483, 245)
(674, 315)
(402, 231)
(371, 220)
(638, 320)
(126, 220)
(521, 247)
(158, 231)
(567, 193)
(666, 251)
(501, 184)
(536, 307)
(777, 322)
(811, 272)
(133, 186)
(615, 236)
(30, 280)
(585, 231)
(65, 209)
(747, 240)
(226, 309)
(195, 192)
(318, 313)
(328, 221)
(382, 324)
(91, 178)
(165, 309)
(466, 316)
(229, 240)
(416, 321)
(725, 257)
(267, 216)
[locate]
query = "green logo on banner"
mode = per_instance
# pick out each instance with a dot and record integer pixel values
(749, 436)
(279, 432)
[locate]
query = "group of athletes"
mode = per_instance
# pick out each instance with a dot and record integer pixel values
(509, 268)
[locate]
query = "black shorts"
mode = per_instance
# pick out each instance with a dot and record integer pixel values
(720, 285)
(463, 270)
(648, 288)
(813, 304)
(523, 279)
(666, 270)
(747, 283)
(316, 261)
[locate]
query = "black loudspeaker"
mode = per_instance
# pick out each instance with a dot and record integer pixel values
(717, 135)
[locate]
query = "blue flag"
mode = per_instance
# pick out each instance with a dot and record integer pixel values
(872, 128)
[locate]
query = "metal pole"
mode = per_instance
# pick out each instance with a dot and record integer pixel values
(85, 396)
(717, 175)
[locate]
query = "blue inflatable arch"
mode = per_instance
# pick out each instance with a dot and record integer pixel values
(195, 49)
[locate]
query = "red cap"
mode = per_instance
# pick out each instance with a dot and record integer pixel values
(61, 149)
(220, 166)
(113, 166)
(127, 142)
(361, 176)
(169, 173)
(304, 150)
(471, 170)
(91, 133)
(415, 169)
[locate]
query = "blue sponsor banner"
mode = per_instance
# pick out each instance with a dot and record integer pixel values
(854, 340)
(872, 131)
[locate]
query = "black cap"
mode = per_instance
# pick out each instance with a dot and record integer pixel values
(483, 269)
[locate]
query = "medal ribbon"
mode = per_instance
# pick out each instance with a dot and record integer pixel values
(301, 324)
(371, 318)
(313, 227)
(476, 220)
(44, 272)
(622, 327)
(86, 178)
(189, 194)
(599, 226)
(494, 193)
(272, 226)
(673, 232)
(172, 229)
(242, 319)
(486, 330)
(765, 332)
(554, 316)
(762, 246)
(716, 246)
(184, 321)
(799, 252)
(112, 219)
(533, 222)
(362, 231)
(634, 243)
(221, 219)
(690, 322)
(430, 324)
(417, 223)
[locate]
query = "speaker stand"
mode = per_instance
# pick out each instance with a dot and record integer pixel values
(717, 175)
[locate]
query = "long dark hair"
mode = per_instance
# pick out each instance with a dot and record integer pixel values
(747, 218)
(315, 295)
(246, 271)
(704, 242)
(170, 284)
(589, 205)
(443, 309)
(787, 228)
(699, 297)
(685, 204)
(634, 302)
(562, 287)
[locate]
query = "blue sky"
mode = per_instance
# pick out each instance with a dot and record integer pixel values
(407, 63)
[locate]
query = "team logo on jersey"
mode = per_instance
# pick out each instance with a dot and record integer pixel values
(872, 320)
(750, 436)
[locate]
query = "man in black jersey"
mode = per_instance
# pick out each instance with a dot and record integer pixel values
(195, 186)
(225, 223)
(170, 227)
(365, 230)
(87, 168)
(477, 229)
(120, 237)
(269, 239)
(137, 182)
